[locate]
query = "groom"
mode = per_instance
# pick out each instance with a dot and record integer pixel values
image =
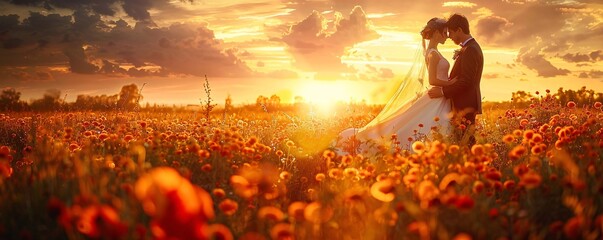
(468, 66)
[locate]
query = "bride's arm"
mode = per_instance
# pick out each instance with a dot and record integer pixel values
(432, 69)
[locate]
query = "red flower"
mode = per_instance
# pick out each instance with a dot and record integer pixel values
(464, 202)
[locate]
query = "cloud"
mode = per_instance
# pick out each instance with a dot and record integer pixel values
(491, 27)
(179, 48)
(582, 57)
(27, 74)
(317, 48)
(459, 4)
(534, 60)
(596, 74)
(78, 61)
(138, 9)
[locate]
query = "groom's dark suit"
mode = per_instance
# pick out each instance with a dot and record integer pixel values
(465, 93)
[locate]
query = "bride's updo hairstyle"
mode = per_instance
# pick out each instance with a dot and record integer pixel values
(432, 26)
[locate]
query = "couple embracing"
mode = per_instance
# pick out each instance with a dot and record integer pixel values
(449, 105)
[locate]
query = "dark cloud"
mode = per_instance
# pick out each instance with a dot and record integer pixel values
(582, 57)
(596, 74)
(491, 27)
(578, 57)
(53, 39)
(534, 60)
(591, 74)
(26, 74)
(78, 61)
(138, 9)
(315, 48)
(596, 55)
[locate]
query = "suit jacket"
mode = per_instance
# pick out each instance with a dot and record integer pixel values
(465, 93)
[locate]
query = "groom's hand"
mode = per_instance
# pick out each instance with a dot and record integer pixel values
(435, 92)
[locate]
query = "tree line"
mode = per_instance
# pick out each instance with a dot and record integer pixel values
(128, 99)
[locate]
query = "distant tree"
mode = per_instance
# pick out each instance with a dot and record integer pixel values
(51, 101)
(228, 103)
(521, 97)
(102, 102)
(129, 97)
(261, 100)
(275, 101)
(10, 100)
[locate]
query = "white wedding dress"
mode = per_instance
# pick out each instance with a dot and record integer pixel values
(405, 121)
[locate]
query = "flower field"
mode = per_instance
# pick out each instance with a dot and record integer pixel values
(536, 173)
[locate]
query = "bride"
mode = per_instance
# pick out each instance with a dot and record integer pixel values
(410, 114)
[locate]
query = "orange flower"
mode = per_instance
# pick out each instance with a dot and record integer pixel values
(517, 152)
(571, 104)
(282, 231)
(163, 193)
(217, 231)
(328, 154)
(219, 193)
(228, 207)
(383, 190)
(449, 180)
(462, 236)
(478, 187)
(537, 138)
(284, 175)
(320, 177)
(509, 185)
(279, 153)
(528, 134)
(271, 213)
(493, 175)
(477, 150)
(316, 213)
(243, 187)
(573, 227)
(350, 172)
(598, 105)
(73, 147)
(531, 180)
(335, 173)
(203, 154)
(101, 222)
(206, 167)
(427, 192)
(453, 149)
(418, 147)
(128, 138)
(296, 210)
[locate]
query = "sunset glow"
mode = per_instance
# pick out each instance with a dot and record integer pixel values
(323, 51)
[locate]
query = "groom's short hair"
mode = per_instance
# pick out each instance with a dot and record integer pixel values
(458, 21)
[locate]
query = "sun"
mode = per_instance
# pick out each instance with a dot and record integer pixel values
(324, 94)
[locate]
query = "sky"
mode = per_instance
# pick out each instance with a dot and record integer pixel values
(321, 50)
